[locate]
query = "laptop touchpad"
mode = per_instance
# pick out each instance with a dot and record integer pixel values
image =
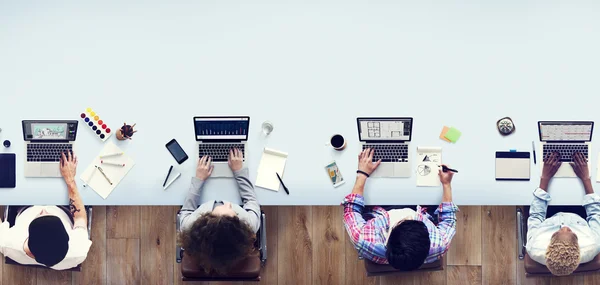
(50, 170)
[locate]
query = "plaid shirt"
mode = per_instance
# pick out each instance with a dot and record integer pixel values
(369, 239)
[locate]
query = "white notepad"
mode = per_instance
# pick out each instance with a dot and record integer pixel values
(428, 159)
(94, 178)
(271, 163)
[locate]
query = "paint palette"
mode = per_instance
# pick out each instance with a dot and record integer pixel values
(96, 124)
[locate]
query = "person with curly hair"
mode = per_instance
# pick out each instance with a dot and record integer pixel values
(217, 235)
(565, 240)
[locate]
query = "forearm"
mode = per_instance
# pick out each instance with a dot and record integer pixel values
(76, 203)
(192, 199)
(544, 183)
(447, 193)
(587, 186)
(359, 185)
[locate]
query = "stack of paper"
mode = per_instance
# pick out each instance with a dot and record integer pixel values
(271, 163)
(113, 174)
(428, 159)
(450, 134)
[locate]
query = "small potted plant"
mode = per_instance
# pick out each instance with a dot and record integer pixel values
(125, 132)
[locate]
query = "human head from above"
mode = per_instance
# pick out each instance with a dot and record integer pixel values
(562, 254)
(408, 245)
(218, 240)
(48, 240)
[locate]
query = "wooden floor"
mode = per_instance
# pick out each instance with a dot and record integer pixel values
(306, 245)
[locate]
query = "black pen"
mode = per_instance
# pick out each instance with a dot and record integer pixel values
(167, 178)
(446, 169)
(284, 188)
(533, 147)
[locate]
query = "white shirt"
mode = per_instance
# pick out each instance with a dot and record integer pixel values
(397, 215)
(13, 238)
(540, 229)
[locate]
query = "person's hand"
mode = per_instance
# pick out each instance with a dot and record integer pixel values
(445, 177)
(365, 161)
(551, 165)
(68, 166)
(205, 168)
(236, 159)
(580, 166)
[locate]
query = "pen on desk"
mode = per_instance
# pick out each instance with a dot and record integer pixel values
(446, 169)
(168, 173)
(533, 147)
(284, 188)
(111, 154)
(112, 163)
(171, 182)
(103, 174)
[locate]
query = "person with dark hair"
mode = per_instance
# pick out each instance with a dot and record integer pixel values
(51, 236)
(403, 238)
(219, 234)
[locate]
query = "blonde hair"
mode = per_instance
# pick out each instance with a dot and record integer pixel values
(562, 256)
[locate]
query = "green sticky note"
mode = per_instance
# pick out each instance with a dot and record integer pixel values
(453, 134)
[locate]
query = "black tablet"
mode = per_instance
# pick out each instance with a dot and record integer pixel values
(8, 167)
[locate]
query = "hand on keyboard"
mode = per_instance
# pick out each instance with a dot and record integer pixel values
(204, 168)
(580, 166)
(68, 166)
(551, 165)
(236, 159)
(365, 161)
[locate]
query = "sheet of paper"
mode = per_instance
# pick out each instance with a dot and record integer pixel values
(443, 134)
(94, 179)
(428, 159)
(453, 134)
(271, 163)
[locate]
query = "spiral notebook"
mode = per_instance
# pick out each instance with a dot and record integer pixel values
(271, 163)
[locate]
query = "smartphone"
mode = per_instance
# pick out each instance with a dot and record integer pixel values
(335, 176)
(176, 151)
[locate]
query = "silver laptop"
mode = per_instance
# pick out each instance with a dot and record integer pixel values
(216, 136)
(45, 141)
(390, 138)
(566, 138)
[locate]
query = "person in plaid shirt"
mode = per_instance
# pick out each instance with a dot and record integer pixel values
(403, 238)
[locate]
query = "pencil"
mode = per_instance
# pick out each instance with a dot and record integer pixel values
(112, 163)
(101, 171)
(112, 154)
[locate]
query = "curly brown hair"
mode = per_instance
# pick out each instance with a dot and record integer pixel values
(217, 243)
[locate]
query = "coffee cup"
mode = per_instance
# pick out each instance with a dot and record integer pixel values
(338, 142)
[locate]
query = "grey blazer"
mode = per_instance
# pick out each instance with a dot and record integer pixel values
(250, 213)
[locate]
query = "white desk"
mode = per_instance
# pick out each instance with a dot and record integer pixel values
(311, 69)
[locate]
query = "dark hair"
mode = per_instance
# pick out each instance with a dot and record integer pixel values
(408, 245)
(217, 243)
(48, 240)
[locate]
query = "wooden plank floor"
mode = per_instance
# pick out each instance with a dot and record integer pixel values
(306, 245)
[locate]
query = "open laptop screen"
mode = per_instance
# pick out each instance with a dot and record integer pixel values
(49, 130)
(221, 128)
(566, 131)
(384, 129)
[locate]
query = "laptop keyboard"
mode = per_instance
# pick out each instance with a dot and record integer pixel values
(565, 150)
(219, 152)
(389, 152)
(46, 152)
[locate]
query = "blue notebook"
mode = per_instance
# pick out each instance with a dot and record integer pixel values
(8, 174)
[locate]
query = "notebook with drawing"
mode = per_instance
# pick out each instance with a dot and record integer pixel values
(428, 159)
(512, 166)
(106, 179)
(271, 163)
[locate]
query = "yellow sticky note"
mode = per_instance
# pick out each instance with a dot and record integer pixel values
(443, 133)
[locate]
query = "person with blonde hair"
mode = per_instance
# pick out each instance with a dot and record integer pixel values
(565, 240)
